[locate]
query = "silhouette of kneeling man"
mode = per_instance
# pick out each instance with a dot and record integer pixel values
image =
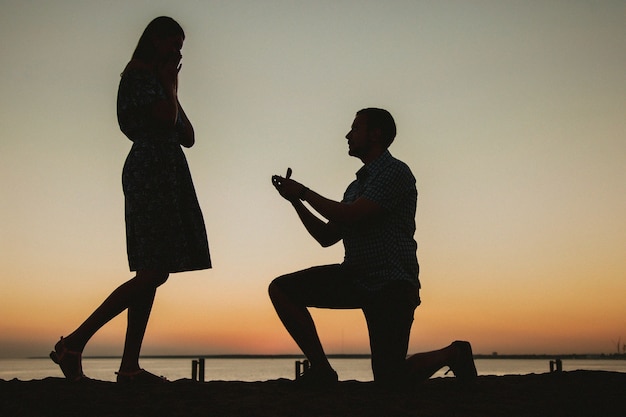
(379, 273)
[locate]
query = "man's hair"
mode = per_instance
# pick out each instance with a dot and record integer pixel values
(380, 119)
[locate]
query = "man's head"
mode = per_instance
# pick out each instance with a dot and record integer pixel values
(380, 119)
(372, 131)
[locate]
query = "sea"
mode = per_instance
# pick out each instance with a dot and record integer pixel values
(251, 369)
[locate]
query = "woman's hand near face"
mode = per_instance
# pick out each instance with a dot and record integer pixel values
(167, 71)
(166, 111)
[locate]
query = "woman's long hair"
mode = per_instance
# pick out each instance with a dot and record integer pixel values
(161, 27)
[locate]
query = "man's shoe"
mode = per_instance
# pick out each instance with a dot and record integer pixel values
(463, 365)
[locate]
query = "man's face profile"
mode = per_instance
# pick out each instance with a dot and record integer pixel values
(359, 138)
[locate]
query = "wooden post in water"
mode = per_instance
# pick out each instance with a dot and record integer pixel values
(556, 366)
(201, 372)
(194, 370)
(301, 368)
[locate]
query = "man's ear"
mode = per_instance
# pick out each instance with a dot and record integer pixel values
(376, 135)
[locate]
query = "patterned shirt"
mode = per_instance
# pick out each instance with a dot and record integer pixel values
(383, 249)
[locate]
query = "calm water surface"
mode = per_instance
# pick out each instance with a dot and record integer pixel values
(268, 368)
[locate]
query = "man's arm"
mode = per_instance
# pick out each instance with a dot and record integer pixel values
(326, 234)
(360, 210)
(336, 212)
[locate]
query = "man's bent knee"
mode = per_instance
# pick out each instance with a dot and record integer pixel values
(274, 289)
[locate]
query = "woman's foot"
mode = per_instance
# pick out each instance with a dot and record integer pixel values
(69, 361)
(140, 376)
(318, 377)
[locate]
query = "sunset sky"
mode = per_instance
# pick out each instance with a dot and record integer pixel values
(511, 114)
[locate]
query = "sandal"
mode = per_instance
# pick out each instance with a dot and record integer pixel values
(69, 361)
(140, 376)
(315, 377)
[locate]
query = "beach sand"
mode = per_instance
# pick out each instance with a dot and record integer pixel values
(575, 393)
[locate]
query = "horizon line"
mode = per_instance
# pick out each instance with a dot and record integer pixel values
(359, 356)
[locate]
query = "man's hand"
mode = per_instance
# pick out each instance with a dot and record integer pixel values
(326, 234)
(289, 189)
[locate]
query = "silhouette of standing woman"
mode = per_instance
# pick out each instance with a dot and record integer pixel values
(165, 230)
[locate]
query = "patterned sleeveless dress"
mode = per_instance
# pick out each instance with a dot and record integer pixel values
(164, 225)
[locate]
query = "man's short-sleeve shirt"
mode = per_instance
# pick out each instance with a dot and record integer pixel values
(383, 249)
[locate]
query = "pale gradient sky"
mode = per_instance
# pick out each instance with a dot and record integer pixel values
(511, 115)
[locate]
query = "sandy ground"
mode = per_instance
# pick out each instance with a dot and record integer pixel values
(577, 393)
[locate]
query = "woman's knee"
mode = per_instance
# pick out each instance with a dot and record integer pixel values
(154, 278)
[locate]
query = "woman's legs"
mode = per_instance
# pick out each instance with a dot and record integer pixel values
(136, 295)
(138, 315)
